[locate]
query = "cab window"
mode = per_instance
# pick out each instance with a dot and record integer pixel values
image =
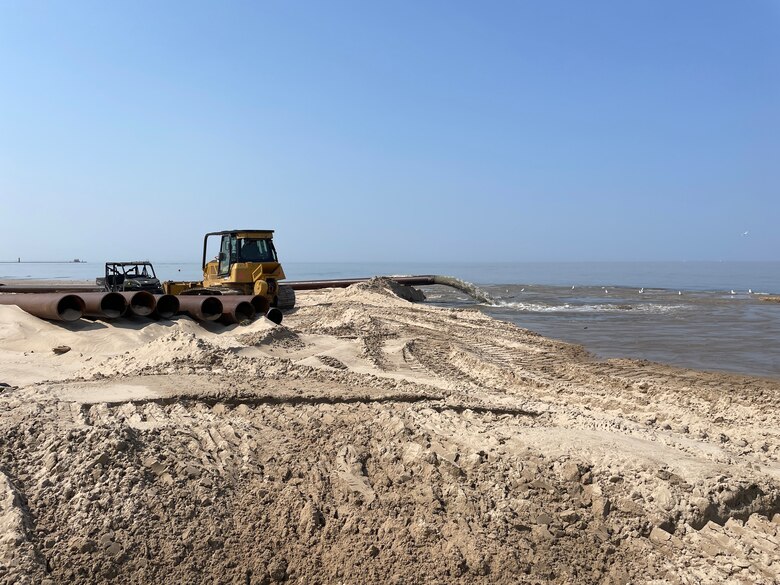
(227, 252)
(256, 251)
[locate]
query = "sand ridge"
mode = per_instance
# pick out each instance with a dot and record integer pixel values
(370, 439)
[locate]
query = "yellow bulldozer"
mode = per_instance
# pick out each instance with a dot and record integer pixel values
(246, 264)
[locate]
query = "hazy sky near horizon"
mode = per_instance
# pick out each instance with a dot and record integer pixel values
(392, 131)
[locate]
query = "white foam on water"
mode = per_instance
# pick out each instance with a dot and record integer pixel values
(597, 308)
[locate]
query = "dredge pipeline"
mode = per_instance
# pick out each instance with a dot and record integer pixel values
(72, 303)
(423, 280)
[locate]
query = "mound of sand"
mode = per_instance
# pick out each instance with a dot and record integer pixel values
(368, 440)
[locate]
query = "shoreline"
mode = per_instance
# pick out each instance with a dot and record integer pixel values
(370, 439)
(65, 285)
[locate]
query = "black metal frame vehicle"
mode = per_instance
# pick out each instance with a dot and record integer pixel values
(130, 276)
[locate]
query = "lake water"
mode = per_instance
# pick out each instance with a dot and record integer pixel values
(685, 313)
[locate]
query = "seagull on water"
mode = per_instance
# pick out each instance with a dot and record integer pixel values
(745, 233)
(641, 290)
(750, 291)
(732, 292)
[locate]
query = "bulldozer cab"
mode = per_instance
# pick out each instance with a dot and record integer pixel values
(246, 261)
(244, 248)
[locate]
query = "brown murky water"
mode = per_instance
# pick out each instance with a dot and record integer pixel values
(703, 330)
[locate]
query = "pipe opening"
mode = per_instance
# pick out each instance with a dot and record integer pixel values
(142, 303)
(244, 311)
(275, 316)
(70, 308)
(113, 305)
(167, 306)
(211, 308)
(261, 304)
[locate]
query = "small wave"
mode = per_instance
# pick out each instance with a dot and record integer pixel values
(597, 308)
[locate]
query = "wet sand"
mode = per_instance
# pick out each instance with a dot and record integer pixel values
(369, 440)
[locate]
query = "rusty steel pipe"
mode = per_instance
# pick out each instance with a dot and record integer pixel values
(53, 306)
(202, 307)
(260, 303)
(104, 305)
(140, 303)
(235, 309)
(274, 315)
(427, 279)
(49, 288)
(166, 306)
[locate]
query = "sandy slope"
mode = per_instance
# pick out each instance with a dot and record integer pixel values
(374, 440)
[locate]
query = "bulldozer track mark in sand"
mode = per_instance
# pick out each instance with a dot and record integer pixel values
(436, 359)
(188, 400)
(159, 410)
(332, 362)
(407, 354)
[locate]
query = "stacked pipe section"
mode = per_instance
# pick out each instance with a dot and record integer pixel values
(228, 309)
(203, 308)
(166, 306)
(236, 309)
(103, 305)
(139, 303)
(52, 306)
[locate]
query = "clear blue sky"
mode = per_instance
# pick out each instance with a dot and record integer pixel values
(392, 131)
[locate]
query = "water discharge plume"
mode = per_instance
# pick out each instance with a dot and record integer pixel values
(422, 280)
(467, 287)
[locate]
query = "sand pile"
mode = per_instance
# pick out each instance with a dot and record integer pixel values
(370, 439)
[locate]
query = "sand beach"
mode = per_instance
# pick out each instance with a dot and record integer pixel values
(370, 439)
